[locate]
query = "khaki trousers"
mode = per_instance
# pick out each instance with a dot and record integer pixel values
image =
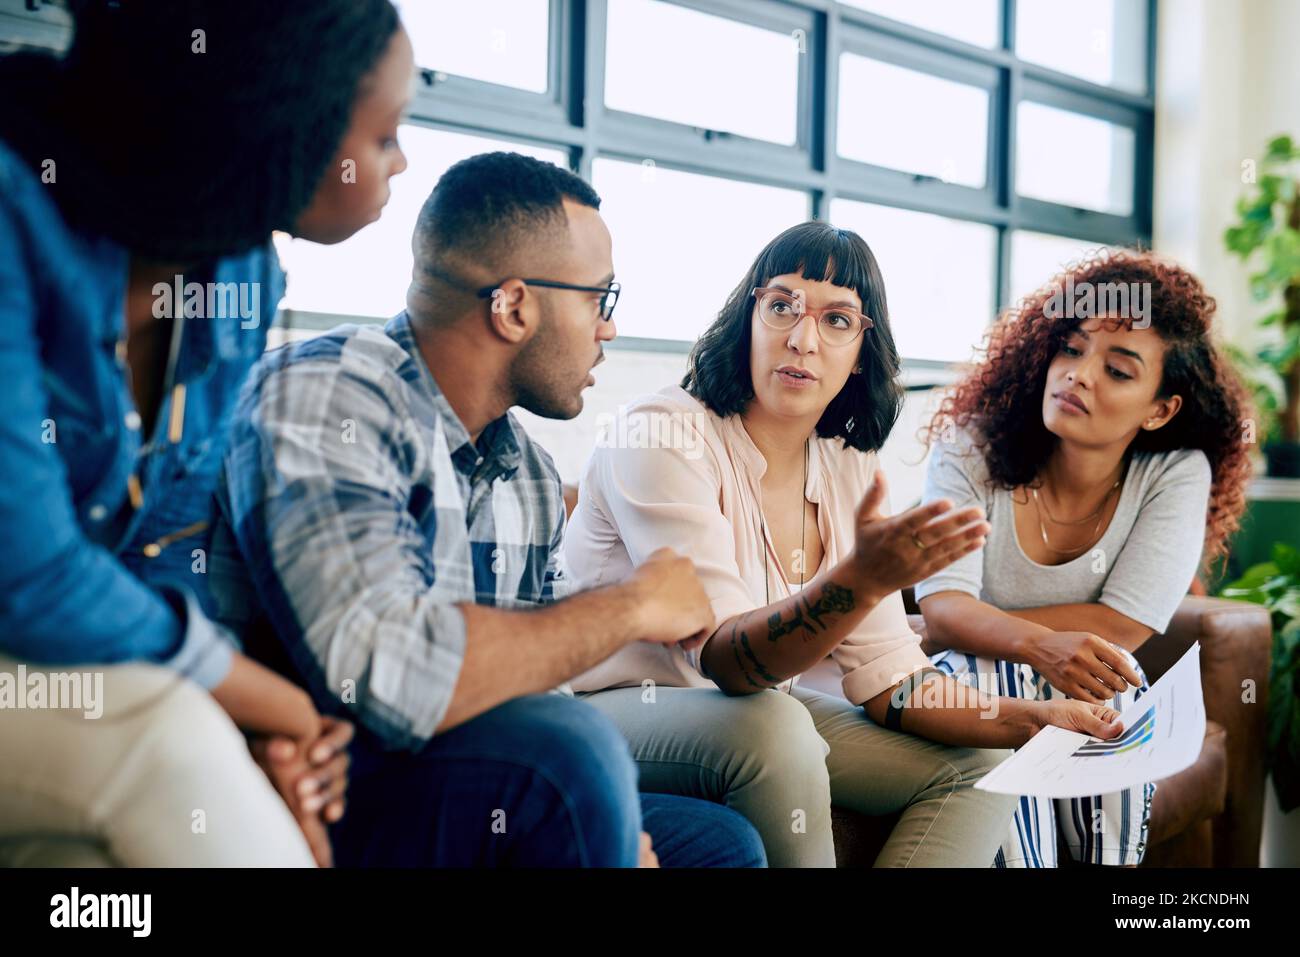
(782, 760)
(162, 778)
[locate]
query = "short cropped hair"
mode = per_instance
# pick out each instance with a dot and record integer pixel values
(492, 204)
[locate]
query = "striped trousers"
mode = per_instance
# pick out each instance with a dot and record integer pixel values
(1100, 829)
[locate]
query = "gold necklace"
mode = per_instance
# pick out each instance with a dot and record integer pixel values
(1087, 518)
(1100, 515)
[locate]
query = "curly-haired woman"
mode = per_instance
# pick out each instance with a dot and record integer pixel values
(1108, 454)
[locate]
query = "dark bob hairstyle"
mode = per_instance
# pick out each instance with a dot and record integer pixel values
(867, 407)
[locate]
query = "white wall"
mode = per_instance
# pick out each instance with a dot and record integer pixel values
(623, 376)
(1227, 81)
(626, 374)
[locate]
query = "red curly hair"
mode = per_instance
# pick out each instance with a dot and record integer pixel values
(1000, 401)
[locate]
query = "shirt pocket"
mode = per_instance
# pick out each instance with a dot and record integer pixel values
(196, 461)
(172, 544)
(179, 511)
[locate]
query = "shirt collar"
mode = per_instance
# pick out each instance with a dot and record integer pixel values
(226, 338)
(742, 444)
(499, 446)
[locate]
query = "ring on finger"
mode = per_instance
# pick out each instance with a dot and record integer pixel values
(916, 540)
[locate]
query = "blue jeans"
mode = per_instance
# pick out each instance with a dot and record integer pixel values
(540, 781)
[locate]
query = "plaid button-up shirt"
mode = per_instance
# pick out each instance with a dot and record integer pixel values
(364, 514)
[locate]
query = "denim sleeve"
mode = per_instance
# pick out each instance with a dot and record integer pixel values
(64, 599)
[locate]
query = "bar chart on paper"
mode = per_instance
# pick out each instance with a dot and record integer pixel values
(1163, 732)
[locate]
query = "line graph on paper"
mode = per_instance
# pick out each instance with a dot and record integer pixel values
(1134, 737)
(1163, 732)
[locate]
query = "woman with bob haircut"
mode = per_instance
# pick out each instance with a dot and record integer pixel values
(1108, 452)
(771, 485)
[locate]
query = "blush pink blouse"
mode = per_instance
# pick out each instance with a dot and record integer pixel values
(669, 472)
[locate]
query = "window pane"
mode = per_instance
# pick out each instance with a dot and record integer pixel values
(878, 111)
(499, 41)
(677, 64)
(367, 275)
(1037, 257)
(938, 276)
(974, 21)
(1078, 160)
(1104, 41)
(682, 241)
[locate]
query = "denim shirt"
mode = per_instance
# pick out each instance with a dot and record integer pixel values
(105, 529)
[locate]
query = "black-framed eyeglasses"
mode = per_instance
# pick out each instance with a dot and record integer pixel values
(608, 299)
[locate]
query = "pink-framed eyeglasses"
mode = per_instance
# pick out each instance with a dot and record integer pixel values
(782, 310)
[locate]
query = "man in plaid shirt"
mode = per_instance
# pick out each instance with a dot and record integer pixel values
(402, 535)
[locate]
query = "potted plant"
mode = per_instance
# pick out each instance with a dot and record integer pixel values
(1276, 586)
(1267, 236)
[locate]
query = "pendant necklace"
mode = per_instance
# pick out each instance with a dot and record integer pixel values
(803, 521)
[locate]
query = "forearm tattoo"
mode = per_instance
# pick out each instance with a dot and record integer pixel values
(834, 599)
(807, 619)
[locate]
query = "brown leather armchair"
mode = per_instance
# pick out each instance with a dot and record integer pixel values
(1208, 815)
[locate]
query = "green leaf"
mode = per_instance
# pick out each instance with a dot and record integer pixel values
(1244, 594)
(1282, 255)
(1288, 606)
(1260, 211)
(1255, 575)
(1290, 639)
(1281, 355)
(1270, 193)
(1286, 558)
(1279, 583)
(1284, 716)
(1287, 352)
(1280, 149)
(1262, 286)
(1240, 240)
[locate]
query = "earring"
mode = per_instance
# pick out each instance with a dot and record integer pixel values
(858, 370)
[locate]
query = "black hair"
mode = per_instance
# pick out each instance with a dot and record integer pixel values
(494, 203)
(864, 412)
(181, 155)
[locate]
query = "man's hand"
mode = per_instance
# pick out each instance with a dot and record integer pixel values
(648, 858)
(323, 788)
(1081, 665)
(672, 604)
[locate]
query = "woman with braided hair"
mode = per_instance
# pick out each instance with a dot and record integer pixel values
(160, 153)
